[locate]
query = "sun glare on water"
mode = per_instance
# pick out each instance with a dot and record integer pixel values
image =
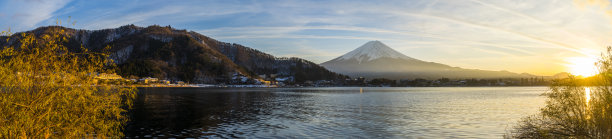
(582, 66)
(587, 93)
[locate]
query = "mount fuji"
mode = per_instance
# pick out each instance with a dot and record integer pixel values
(374, 59)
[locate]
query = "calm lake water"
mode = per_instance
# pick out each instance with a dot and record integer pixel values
(339, 112)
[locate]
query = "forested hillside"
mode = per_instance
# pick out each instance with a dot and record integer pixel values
(167, 53)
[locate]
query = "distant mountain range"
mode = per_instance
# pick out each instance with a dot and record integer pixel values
(377, 60)
(167, 53)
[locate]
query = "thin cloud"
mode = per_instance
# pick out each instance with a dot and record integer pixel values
(470, 23)
(23, 15)
(298, 37)
(535, 20)
(429, 28)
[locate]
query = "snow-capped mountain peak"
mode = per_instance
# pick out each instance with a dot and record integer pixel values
(376, 60)
(373, 50)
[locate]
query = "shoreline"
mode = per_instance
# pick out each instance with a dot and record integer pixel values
(262, 86)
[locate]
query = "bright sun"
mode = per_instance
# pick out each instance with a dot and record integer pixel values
(582, 66)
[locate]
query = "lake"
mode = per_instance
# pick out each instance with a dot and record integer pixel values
(335, 112)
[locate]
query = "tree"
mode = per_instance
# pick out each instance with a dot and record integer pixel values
(575, 108)
(46, 90)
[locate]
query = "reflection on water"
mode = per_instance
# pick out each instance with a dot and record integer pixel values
(587, 92)
(331, 112)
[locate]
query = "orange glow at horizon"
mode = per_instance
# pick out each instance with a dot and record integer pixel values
(582, 66)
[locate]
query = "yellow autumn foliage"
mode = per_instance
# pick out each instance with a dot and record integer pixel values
(48, 92)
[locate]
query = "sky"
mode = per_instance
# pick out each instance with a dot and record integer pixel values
(541, 37)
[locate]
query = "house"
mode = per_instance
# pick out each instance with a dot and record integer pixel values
(148, 80)
(105, 76)
(165, 81)
(285, 79)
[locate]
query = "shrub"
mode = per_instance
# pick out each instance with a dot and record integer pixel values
(47, 91)
(576, 108)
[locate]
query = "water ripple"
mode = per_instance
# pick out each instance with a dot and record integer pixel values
(330, 112)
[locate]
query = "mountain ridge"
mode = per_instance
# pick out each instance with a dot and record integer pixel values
(394, 65)
(373, 50)
(168, 53)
